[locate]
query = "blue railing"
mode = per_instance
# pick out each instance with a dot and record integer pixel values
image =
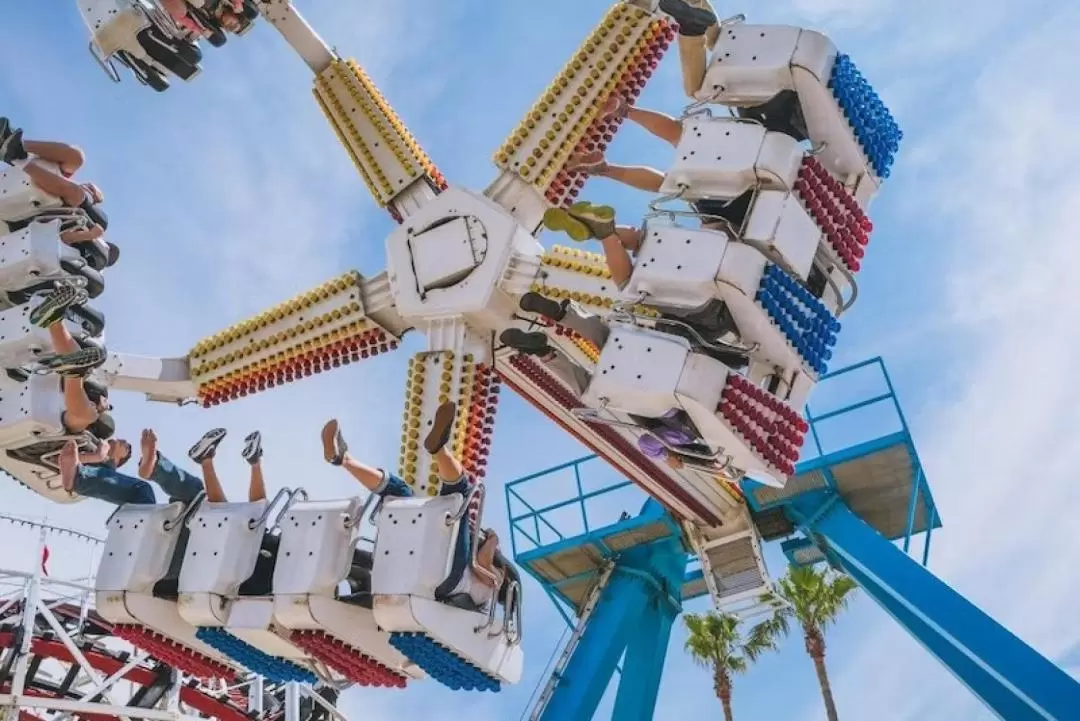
(545, 521)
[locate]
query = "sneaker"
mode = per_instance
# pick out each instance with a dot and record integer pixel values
(542, 305)
(442, 427)
(206, 446)
(76, 363)
(253, 451)
(56, 304)
(693, 21)
(525, 342)
(333, 443)
(11, 149)
(599, 219)
(582, 221)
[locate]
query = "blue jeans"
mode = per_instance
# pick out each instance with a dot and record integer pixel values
(394, 487)
(108, 484)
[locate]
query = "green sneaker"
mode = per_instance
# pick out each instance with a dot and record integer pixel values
(599, 219)
(76, 363)
(559, 220)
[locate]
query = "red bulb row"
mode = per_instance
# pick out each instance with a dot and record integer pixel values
(371, 343)
(535, 373)
(835, 211)
(573, 335)
(349, 662)
(567, 184)
(772, 429)
(480, 421)
(173, 653)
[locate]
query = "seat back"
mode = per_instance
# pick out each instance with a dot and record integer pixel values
(414, 546)
(721, 157)
(316, 550)
(777, 219)
(114, 24)
(223, 548)
(752, 63)
(139, 547)
(638, 371)
(29, 411)
(27, 254)
(21, 199)
(677, 267)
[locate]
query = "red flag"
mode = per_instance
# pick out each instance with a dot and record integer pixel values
(44, 560)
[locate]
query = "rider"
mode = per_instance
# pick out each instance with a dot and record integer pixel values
(16, 151)
(476, 589)
(95, 475)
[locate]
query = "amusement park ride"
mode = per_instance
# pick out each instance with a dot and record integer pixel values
(172, 579)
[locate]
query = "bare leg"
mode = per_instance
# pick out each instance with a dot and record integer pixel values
(368, 476)
(61, 339)
(257, 486)
(448, 466)
(214, 492)
(629, 236)
(485, 559)
(618, 259)
(69, 465)
(49, 182)
(68, 157)
(662, 126)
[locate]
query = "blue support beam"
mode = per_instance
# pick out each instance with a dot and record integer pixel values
(1010, 677)
(634, 614)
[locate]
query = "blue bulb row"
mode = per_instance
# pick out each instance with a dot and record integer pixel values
(873, 124)
(442, 664)
(272, 668)
(803, 319)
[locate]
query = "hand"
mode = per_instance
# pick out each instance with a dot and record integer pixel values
(673, 461)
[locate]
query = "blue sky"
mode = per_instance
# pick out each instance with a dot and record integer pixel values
(230, 193)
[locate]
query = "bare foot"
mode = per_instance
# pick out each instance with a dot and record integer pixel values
(148, 446)
(592, 163)
(615, 106)
(69, 465)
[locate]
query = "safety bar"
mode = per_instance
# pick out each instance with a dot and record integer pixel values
(511, 625)
(452, 518)
(185, 517)
(292, 496)
(105, 63)
(626, 314)
(352, 518)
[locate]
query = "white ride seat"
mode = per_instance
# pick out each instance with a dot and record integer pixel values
(682, 268)
(139, 551)
(225, 585)
(703, 387)
(844, 117)
(34, 257)
(723, 157)
(22, 343)
(142, 36)
(316, 555)
(20, 199)
(414, 554)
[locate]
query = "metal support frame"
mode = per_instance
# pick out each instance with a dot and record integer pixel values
(1007, 675)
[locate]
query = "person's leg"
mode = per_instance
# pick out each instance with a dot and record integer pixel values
(203, 453)
(101, 482)
(584, 221)
(376, 480)
(68, 157)
(696, 22)
(82, 235)
(72, 194)
(178, 484)
(636, 176)
(253, 455)
(589, 326)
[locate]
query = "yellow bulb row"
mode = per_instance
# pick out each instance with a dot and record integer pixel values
(419, 155)
(602, 47)
(282, 337)
(576, 261)
(348, 143)
(277, 313)
(577, 296)
(557, 161)
(346, 332)
(346, 121)
(591, 352)
(381, 116)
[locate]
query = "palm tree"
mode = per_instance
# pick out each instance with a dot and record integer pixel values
(715, 643)
(814, 599)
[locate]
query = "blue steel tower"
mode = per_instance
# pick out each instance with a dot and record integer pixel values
(857, 499)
